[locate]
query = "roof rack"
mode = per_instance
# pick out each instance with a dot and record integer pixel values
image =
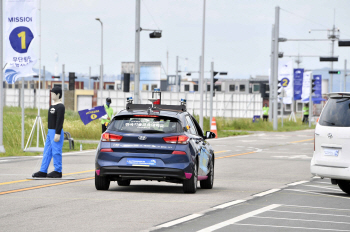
(174, 108)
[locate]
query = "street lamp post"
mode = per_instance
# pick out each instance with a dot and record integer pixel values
(202, 70)
(101, 68)
(2, 149)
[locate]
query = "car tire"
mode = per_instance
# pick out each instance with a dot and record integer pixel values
(190, 186)
(344, 185)
(209, 182)
(124, 182)
(102, 182)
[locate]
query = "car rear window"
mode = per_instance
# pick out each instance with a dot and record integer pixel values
(336, 113)
(144, 124)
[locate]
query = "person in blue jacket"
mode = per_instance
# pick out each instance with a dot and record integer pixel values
(55, 137)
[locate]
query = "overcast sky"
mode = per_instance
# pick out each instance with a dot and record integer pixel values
(238, 33)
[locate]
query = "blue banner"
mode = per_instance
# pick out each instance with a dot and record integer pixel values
(298, 83)
(92, 114)
(318, 86)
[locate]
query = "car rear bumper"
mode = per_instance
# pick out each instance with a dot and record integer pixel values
(142, 172)
(330, 172)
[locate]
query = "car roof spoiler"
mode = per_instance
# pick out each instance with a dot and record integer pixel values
(339, 94)
(173, 108)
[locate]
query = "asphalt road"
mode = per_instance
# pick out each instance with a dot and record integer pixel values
(245, 166)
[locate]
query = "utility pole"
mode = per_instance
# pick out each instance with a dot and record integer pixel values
(90, 77)
(177, 74)
(332, 54)
(2, 149)
(167, 62)
(275, 71)
(137, 52)
(63, 77)
(310, 100)
(202, 71)
(345, 74)
(211, 91)
(271, 94)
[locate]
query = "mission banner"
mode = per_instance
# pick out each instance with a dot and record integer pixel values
(90, 115)
(19, 34)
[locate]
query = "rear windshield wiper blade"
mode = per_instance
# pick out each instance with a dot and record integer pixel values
(346, 99)
(152, 131)
(332, 123)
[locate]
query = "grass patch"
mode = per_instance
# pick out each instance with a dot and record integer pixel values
(72, 124)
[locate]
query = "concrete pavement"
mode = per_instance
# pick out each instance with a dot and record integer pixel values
(245, 165)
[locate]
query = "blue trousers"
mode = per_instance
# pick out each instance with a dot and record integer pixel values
(52, 149)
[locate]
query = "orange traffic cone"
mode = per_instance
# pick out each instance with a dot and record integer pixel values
(213, 127)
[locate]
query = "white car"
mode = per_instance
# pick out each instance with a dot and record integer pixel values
(331, 157)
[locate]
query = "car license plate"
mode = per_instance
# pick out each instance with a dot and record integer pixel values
(141, 162)
(331, 152)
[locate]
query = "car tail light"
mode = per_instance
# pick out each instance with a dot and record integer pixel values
(106, 150)
(179, 153)
(317, 119)
(107, 137)
(182, 139)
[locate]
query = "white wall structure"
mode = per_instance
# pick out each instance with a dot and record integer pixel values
(225, 104)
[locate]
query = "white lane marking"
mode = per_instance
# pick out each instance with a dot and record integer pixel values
(300, 190)
(68, 153)
(315, 186)
(319, 182)
(304, 220)
(297, 183)
(180, 220)
(312, 207)
(316, 177)
(289, 227)
(293, 157)
(225, 205)
(321, 214)
(232, 137)
(4, 160)
(266, 192)
(239, 218)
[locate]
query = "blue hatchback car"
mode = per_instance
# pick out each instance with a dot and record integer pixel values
(161, 143)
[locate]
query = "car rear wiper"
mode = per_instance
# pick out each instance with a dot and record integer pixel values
(152, 131)
(329, 122)
(346, 99)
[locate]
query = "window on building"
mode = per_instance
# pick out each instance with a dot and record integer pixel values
(26, 85)
(232, 88)
(4, 84)
(208, 88)
(218, 87)
(187, 87)
(10, 86)
(195, 87)
(153, 87)
(241, 88)
(16, 86)
(111, 87)
(32, 86)
(145, 87)
(256, 88)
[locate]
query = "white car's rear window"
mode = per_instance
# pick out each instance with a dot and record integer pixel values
(336, 113)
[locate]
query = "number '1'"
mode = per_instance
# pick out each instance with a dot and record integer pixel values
(22, 35)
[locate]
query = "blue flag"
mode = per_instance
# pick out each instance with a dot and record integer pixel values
(89, 115)
(298, 83)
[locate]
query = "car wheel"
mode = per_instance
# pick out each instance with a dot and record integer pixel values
(124, 182)
(101, 182)
(209, 182)
(190, 186)
(344, 185)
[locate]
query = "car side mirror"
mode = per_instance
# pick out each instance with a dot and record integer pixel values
(210, 135)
